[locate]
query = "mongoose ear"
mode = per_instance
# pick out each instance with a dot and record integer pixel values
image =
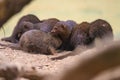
(27, 25)
(63, 26)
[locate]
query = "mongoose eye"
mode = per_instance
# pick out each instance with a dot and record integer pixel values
(26, 27)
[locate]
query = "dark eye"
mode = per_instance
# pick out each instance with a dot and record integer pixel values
(26, 27)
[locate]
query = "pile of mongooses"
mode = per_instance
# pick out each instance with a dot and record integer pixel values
(48, 35)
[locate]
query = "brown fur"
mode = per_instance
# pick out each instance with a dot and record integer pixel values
(63, 30)
(18, 30)
(37, 41)
(86, 33)
(45, 25)
(101, 29)
(80, 35)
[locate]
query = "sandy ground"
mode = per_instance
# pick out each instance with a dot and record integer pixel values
(45, 64)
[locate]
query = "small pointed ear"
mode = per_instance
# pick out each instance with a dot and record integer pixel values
(27, 25)
(63, 26)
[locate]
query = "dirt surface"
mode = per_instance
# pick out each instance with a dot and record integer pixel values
(39, 61)
(45, 64)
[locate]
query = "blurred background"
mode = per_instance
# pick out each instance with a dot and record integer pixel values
(78, 10)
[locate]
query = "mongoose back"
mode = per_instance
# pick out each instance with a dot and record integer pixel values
(18, 30)
(45, 25)
(37, 41)
(101, 29)
(79, 35)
